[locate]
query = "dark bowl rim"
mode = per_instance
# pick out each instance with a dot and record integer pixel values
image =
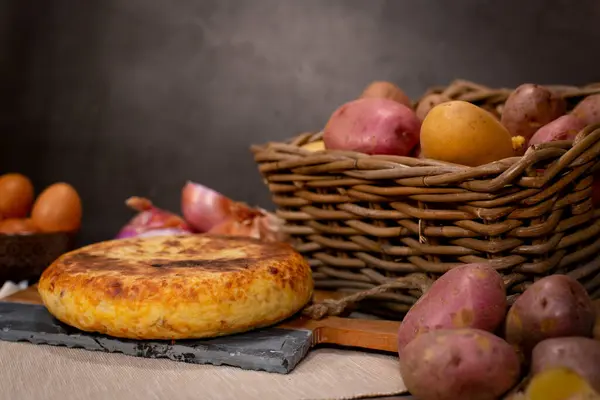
(36, 235)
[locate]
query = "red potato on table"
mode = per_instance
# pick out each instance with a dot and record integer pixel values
(466, 364)
(468, 296)
(373, 126)
(554, 306)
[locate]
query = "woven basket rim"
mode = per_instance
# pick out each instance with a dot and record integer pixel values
(484, 178)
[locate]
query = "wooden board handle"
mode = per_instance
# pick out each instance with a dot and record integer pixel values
(363, 333)
(350, 332)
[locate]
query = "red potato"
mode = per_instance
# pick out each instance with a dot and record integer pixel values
(469, 296)
(529, 107)
(567, 127)
(562, 128)
(466, 364)
(579, 354)
(386, 90)
(554, 306)
(589, 109)
(373, 126)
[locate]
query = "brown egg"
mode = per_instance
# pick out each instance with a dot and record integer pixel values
(57, 209)
(16, 196)
(386, 90)
(17, 226)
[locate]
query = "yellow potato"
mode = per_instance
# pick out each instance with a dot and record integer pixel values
(559, 384)
(318, 145)
(462, 133)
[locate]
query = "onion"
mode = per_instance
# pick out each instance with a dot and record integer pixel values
(151, 221)
(165, 232)
(265, 226)
(204, 208)
(209, 211)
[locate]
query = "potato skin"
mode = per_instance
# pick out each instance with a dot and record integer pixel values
(386, 90)
(554, 306)
(466, 364)
(462, 133)
(580, 354)
(468, 296)
(529, 107)
(588, 109)
(562, 128)
(373, 126)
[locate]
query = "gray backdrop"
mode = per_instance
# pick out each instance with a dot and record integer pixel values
(134, 97)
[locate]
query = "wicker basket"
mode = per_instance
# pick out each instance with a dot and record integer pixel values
(382, 228)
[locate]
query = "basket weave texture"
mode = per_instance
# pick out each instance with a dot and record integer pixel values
(382, 228)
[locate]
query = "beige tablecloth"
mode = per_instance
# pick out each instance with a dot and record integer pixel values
(36, 372)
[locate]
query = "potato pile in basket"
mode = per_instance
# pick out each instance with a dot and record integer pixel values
(383, 121)
(461, 340)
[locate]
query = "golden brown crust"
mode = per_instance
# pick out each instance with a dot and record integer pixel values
(176, 287)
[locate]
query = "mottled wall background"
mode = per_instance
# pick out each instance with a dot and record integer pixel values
(134, 97)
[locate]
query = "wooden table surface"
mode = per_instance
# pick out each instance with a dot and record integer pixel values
(30, 295)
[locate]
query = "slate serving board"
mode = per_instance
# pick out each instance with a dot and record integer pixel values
(273, 350)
